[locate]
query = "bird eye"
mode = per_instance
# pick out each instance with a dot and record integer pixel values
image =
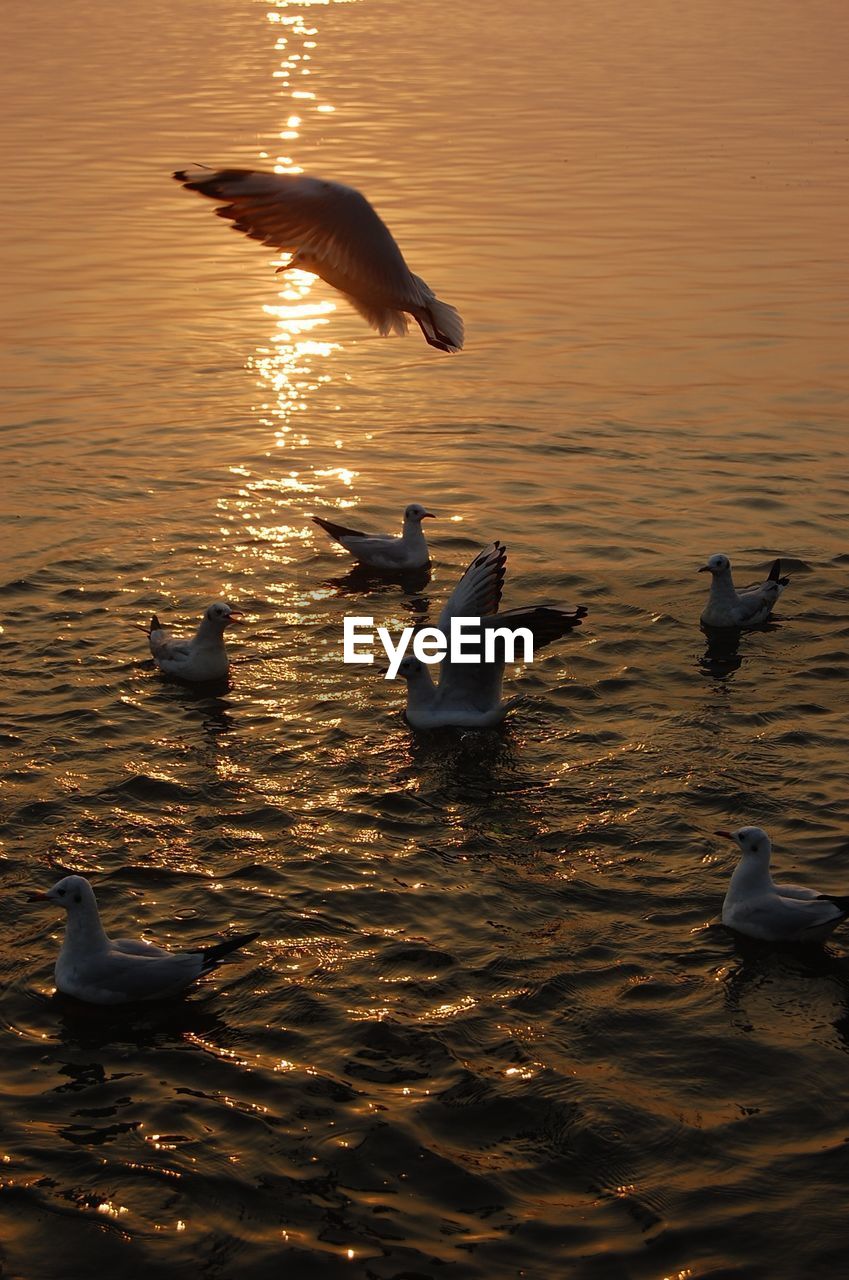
(61, 893)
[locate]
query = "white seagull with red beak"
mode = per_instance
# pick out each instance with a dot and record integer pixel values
(758, 907)
(104, 970)
(332, 231)
(729, 608)
(201, 660)
(385, 552)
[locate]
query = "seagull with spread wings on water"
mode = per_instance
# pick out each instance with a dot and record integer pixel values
(332, 231)
(468, 695)
(104, 970)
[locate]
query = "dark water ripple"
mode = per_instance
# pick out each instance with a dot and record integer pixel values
(489, 1022)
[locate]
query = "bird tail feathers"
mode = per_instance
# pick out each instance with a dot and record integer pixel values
(441, 325)
(157, 635)
(841, 902)
(775, 575)
(214, 955)
(337, 531)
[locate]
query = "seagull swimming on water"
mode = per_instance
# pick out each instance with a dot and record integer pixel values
(728, 607)
(332, 231)
(103, 970)
(386, 552)
(201, 660)
(755, 905)
(468, 696)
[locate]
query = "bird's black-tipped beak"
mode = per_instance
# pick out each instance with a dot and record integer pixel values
(428, 515)
(729, 835)
(37, 897)
(236, 616)
(704, 569)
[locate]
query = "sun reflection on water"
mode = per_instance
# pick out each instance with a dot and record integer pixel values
(286, 367)
(291, 367)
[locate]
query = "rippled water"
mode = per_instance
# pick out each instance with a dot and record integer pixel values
(492, 1026)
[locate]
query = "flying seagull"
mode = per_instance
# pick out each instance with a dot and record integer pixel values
(469, 695)
(386, 552)
(201, 660)
(728, 607)
(757, 906)
(103, 970)
(332, 231)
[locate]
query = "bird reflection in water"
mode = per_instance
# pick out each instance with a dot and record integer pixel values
(207, 703)
(160, 1025)
(361, 580)
(478, 766)
(793, 979)
(721, 658)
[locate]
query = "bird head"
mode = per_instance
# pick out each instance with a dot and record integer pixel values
(752, 841)
(71, 893)
(221, 614)
(717, 564)
(416, 513)
(409, 667)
